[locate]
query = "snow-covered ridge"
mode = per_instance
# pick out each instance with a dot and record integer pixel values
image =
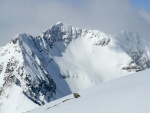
(65, 59)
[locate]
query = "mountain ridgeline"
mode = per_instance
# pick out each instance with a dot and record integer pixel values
(63, 60)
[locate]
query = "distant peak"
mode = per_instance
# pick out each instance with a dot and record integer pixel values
(59, 23)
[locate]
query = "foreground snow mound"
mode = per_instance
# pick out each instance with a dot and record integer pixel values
(63, 60)
(128, 94)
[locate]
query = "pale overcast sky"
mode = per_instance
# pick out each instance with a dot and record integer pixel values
(110, 16)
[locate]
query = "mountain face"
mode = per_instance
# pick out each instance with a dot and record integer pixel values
(64, 59)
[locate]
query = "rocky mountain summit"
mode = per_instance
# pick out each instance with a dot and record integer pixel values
(62, 60)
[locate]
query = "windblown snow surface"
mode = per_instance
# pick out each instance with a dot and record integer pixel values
(129, 94)
(65, 59)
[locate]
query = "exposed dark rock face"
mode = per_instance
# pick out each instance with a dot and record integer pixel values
(76, 95)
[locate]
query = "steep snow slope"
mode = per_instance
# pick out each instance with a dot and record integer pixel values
(129, 94)
(65, 59)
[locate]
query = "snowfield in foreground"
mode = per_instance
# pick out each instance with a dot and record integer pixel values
(129, 94)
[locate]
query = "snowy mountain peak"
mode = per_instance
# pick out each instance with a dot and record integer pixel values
(65, 59)
(59, 23)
